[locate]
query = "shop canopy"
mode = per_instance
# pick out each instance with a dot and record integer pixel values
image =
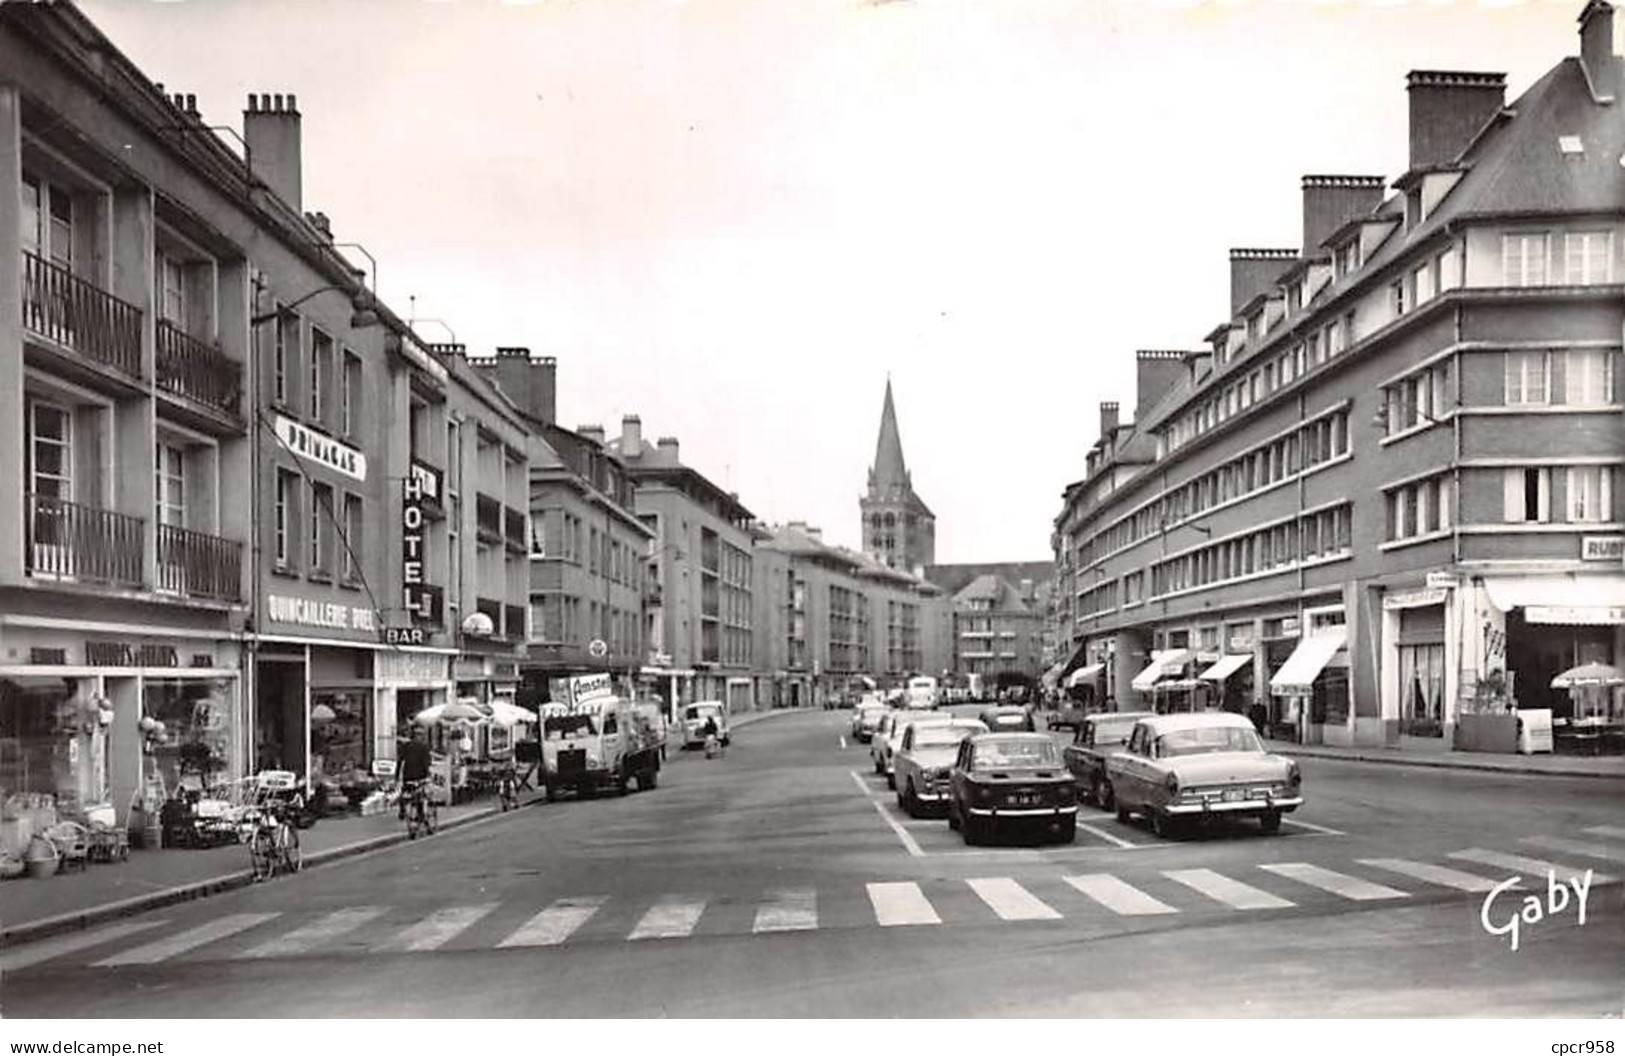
(1307, 661)
(1164, 662)
(1173, 685)
(1571, 599)
(1053, 676)
(1084, 675)
(1225, 667)
(1601, 675)
(504, 713)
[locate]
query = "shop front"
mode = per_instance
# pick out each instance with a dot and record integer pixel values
(1310, 689)
(1164, 684)
(406, 682)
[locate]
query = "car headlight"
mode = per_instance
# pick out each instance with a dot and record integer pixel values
(1294, 777)
(1172, 785)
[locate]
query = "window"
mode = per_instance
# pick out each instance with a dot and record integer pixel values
(170, 471)
(1422, 282)
(1590, 494)
(1588, 377)
(350, 392)
(321, 356)
(1421, 681)
(1419, 508)
(1527, 496)
(287, 516)
(1589, 255)
(353, 537)
(286, 347)
(321, 508)
(1526, 378)
(1449, 270)
(1396, 297)
(47, 222)
(1523, 260)
(50, 462)
(172, 290)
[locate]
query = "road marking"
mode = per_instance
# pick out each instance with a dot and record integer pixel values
(672, 917)
(1117, 896)
(1587, 850)
(1607, 830)
(1433, 874)
(909, 843)
(901, 903)
(437, 929)
(843, 743)
(1351, 887)
(555, 923)
(44, 951)
(794, 909)
(1010, 900)
(1312, 827)
(1221, 888)
(1104, 835)
(862, 786)
(191, 939)
(307, 938)
(1519, 864)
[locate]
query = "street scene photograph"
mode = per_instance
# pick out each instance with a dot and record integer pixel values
(833, 510)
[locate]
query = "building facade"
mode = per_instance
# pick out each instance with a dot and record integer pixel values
(999, 630)
(899, 529)
(1385, 499)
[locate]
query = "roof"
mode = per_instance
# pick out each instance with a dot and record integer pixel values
(954, 578)
(1198, 720)
(889, 480)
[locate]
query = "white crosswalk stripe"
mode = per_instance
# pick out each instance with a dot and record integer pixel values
(1232, 893)
(1517, 863)
(1117, 896)
(437, 929)
(555, 923)
(789, 910)
(1351, 887)
(901, 903)
(1433, 874)
(670, 918)
(84, 940)
(1010, 900)
(312, 935)
(190, 939)
(1607, 830)
(1585, 850)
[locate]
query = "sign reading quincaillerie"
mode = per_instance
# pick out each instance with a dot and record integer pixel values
(307, 613)
(307, 443)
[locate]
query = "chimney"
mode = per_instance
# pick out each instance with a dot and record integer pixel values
(1108, 420)
(631, 436)
(271, 130)
(1597, 45)
(1329, 202)
(532, 384)
(321, 223)
(1156, 372)
(1254, 271)
(595, 433)
(668, 451)
(1449, 108)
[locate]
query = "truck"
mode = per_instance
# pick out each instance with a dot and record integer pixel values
(605, 742)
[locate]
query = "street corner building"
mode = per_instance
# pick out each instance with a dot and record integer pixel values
(1383, 501)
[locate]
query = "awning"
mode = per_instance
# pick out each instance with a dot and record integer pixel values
(1053, 675)
(1307, 661)
(1562, 598)
(1226, 666)
(1163, 663)
(1173, 684)
(1084, 675)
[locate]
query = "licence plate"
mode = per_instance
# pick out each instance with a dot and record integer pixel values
(1028, 800)
(1232, 795)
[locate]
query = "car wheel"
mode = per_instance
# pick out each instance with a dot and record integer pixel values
(1096, 790)
(1108, 796)
(971, 829)
(1066, 830)
(1270, 821)
(1162, 826)
(891, 781)
(953, 817)
(1122, 813)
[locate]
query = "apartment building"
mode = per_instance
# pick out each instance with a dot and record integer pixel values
(999, 629)
(1384, 499)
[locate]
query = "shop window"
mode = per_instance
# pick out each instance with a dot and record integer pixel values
(192, 748)
(51, 742)
(339, 736)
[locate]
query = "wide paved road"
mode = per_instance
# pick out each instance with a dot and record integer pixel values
(782, 881)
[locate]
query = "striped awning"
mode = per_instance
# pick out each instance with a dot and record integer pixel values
(1164, 663)
(1225, 667)
(1307, 661)
(1084, 675)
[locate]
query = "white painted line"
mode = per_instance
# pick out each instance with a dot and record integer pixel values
(191, 939)
(1010, 900)
(909, 843)
(790, 910)
(843, 742)
(435, 930)
(1221, 888)
(1117, 896)
(901, 904)
(1117, 841)
(1312, 827)
(44, 951)
(1585, 850)
(1351, 887)
(862, 786)
(670, 918)
(555, 923)
(1535, 867)
(1433, 874)
(318, 931)
(1607, 830)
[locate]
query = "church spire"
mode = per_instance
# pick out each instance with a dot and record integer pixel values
(889, 475)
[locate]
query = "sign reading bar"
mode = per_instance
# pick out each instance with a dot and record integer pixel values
(306, 443)
(405, 635)
(325, 614)
(1602, 547)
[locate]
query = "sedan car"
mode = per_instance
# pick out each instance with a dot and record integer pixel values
(923, 761)
(865, 717)
(1096, 738)
(1198, 767)
(1002, 780)
(1008, 718)
(893, 740)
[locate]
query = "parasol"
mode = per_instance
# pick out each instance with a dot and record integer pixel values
(452, 713)
(504, 713)
(1589, 675)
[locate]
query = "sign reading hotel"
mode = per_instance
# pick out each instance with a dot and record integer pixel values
(428, 479)
(419, 598)
(323, 614)
(308, 444)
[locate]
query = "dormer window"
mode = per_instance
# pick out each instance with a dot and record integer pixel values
(1348, 257)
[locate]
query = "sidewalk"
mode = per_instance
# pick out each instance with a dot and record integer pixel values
(33, 909)
(1432, 752)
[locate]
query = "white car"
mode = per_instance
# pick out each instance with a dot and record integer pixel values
(877, 739)
(694, 716)
(894, 737)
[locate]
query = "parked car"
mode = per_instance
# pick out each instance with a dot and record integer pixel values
(694, 716)
(877, 740)
(922, 693)
(900, 724)
(923, 761)
(1201, 766)
(1002, 780)
(865, 717)
(1008, 718)
(1098, 736)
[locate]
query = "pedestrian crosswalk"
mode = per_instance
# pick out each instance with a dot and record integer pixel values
(1091, 899)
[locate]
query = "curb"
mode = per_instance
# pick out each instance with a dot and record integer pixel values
(1439, 764)
(80, 919)
(752, 717)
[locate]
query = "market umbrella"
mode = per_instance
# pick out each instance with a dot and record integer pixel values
(504, 713)
(1589, 675)
(322, 713)
(454, 712)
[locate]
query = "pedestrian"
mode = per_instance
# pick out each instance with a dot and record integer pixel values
(415, 763)
(710, 730)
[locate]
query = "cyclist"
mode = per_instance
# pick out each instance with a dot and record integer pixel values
(415, 762)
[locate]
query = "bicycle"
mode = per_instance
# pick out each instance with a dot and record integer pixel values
(274, 845)
(422, 813)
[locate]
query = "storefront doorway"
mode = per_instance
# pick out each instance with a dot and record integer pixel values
(1537, 653)
(279, 714)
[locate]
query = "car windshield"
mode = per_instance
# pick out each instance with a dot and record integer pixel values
(1113, 732)
(559, 727)
(703, 713)
(1010, 718)
(992, 755)
(1208, 739)
(940, 736)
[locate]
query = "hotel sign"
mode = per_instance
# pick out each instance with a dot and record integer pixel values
(327, 615)
(1602, 547)
(420, 599)
(428, 479)
(309, 444)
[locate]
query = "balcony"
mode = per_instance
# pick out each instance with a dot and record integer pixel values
(513, 523)
(61, 307)
(70, 541)
(188, 367)
(488, 519)
(198, 564)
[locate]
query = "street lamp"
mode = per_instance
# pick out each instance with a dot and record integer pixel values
(362, 314)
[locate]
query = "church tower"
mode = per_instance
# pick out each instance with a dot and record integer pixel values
(899, 529)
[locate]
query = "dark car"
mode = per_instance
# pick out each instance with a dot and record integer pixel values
(1011, 780)
(1098, 736)
(1010, 718)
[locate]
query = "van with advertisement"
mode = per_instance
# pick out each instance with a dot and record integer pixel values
(596, 740)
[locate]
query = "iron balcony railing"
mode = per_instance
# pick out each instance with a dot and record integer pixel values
(68, 540)
(188, 367)
(60, 306)
(198, 564)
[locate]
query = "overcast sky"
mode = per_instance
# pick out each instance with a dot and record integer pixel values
(733, 219)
